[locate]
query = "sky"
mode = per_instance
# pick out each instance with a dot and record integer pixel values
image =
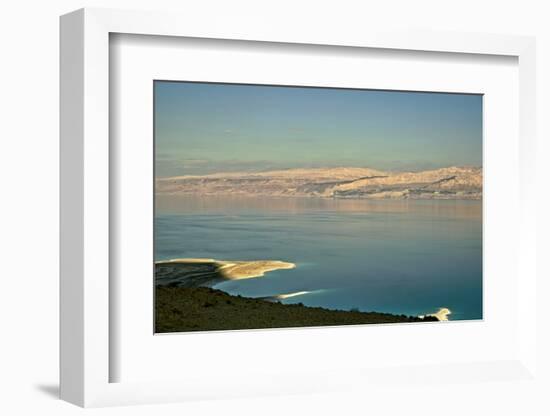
(203, 128)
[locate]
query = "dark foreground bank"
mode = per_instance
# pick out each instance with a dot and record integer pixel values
(181, 309)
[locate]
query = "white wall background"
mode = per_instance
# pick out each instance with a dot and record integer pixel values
(29, 205)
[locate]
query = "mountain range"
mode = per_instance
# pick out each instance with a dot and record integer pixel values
(342, 182)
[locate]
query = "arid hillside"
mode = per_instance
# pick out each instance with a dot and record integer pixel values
(446, 183)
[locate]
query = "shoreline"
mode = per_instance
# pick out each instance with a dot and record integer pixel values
(195, 272)
(185, 300)
(386, 197)
(187, 309)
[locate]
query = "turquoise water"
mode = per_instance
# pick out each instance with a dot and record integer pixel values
(406, 256)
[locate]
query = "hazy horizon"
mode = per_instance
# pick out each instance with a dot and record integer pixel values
(298, 167)
(203, 128)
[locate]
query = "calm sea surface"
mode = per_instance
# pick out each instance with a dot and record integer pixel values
(410, 257)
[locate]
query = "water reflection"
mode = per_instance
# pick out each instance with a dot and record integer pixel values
(174, 204)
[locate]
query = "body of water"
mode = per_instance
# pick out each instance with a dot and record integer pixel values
(396, 256)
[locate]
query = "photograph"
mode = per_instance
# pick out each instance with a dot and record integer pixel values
(299, 206)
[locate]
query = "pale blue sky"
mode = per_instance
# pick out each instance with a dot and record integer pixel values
(203, 128)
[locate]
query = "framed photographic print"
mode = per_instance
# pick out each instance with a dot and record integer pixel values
(306, 205)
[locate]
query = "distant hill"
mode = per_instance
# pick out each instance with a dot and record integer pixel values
(344, 182)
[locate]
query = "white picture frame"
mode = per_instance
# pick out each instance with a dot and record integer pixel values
(86, 356)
